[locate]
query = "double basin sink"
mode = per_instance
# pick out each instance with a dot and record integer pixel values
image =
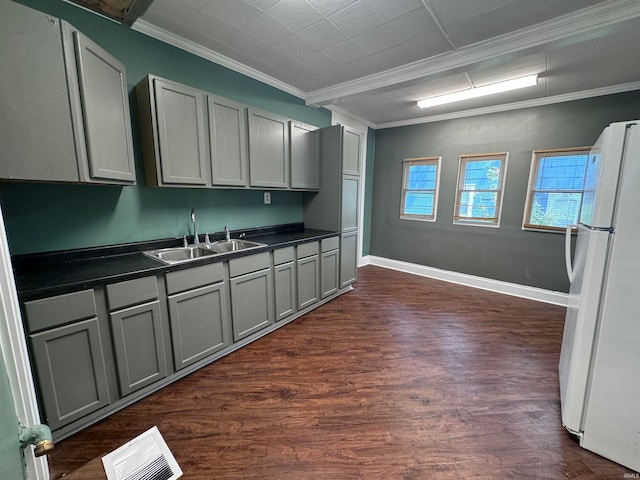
(175, 255)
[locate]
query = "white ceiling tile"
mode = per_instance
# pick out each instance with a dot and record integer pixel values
(295, 14)
(580, 50)
(432, 43)
(268, 29)
(235, 12)
(166, 13)
(393, 57)
(263, 4)
(295, 47)
(413, 24)
(246, 43)
(318, 62)
(345, 52)
(329, 7)
(363, 66)
(377, 39)
(208, 26)
(440, 86)
(356, 19)
(323, 34)
(454, 11)
(390, 9)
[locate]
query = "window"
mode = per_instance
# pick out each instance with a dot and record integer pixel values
(480, 189)
(420, 181)
(556, 188)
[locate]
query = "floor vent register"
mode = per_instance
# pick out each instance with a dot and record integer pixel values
(146, 457)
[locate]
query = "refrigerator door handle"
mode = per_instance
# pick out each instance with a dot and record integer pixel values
(567, 252)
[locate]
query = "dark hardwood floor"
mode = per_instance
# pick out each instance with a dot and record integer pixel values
(402, 378)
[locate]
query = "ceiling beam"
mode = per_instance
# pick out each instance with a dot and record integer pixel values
(578, 24)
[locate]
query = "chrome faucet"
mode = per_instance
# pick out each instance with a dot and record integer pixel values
(227, 234)
(195, 227)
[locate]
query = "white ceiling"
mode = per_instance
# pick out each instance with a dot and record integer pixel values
(373, 59)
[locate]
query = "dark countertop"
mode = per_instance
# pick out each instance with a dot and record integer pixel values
(55, 273)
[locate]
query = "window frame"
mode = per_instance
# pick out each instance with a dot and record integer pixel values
(536, 156)
(493, 222)
(408, 162)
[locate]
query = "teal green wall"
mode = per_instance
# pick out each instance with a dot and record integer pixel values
(10, 456)
(45, 217)
(368, 192)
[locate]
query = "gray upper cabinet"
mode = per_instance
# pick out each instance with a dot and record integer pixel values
(228, 139)
(64, 110)
(305, 172)
(268, 150)
(172, 123)
(350, 151)
(103, 106)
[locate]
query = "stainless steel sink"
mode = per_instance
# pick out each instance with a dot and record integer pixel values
(180, 254)
(233, 245)
(194, 252)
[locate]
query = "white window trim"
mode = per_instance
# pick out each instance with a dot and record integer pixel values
(436, 192)
(533, 175)
(500, 199)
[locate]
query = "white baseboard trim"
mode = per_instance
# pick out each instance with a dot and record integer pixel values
(523, 291)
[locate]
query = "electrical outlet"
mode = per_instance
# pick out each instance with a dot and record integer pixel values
(267, 198)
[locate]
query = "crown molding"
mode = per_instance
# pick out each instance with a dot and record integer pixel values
(538, 102)
(602, 15)
(187, 45)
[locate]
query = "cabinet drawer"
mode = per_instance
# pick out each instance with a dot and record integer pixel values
(132, 292)
(283, 255)
(252, 263)
(194, 277)
(329, 244)
(307, 249)
(54, 311)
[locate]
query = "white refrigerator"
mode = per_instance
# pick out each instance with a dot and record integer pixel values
(600, 356)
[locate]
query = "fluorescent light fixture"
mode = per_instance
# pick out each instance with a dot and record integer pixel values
(475, 92)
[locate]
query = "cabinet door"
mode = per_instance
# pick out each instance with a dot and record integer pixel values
(329, 273)
(181, 134)
(199, 323)
(349, 208)
(308, 281)
(228, 136)
(105, 113)
(268, 150)
(350, 151)
(71, 371)
(139, 346)
(35, 116)
(251, 302)
(348, 258)
(285, 289)
(305, 172)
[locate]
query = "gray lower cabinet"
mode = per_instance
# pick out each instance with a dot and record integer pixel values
(251, 294)
(305, 166)
(64, 108)
(138, 346)
(329, 266)
(348, 258)
(137, 333)
(308, 272)
(284, 282)
(199, 316)
(268, 149)
(68, 356)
